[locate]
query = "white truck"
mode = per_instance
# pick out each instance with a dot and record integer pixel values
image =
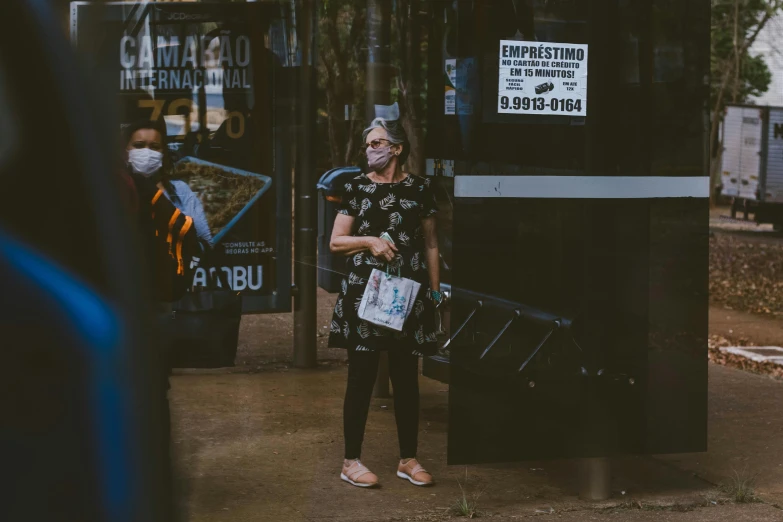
(752, 162)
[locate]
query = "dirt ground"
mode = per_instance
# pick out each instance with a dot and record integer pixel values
(263, 441)
(267, 446)
(760, 330)
(746, 266)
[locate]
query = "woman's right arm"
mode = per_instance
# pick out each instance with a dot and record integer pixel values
(343, 242)
(196, 209)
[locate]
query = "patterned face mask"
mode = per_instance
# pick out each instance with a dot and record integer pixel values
(378, 158)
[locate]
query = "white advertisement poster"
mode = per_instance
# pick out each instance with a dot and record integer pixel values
(543, 78)
(451, 84)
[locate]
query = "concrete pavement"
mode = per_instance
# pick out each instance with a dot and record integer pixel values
(267, 446)
(745, 432)
(264, 442)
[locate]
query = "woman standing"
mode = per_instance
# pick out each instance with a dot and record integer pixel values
(385, 200)
(148, 162)
(169, 217)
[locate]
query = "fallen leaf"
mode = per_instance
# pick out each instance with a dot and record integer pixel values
(744, 277)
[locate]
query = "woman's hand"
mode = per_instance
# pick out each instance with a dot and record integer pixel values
(344, 242)
(381, 248)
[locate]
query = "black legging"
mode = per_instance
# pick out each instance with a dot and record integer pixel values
(362, 371)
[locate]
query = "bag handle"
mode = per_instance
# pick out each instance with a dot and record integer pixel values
(388, 268)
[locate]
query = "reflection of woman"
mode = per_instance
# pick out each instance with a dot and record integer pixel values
(168, 228)
(148, 163)
(171, 217)
(385, 201)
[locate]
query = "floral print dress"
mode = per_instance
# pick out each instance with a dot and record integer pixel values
(398, 209)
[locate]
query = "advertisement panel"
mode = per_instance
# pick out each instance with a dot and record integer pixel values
(542, 78)
(210, 74)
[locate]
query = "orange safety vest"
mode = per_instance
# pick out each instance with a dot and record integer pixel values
(176, 244)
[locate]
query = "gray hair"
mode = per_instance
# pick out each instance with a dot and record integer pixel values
(395, 133)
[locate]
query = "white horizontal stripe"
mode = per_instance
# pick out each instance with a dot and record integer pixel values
(581, 187)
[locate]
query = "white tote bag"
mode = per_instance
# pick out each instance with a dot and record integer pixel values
(388, 300)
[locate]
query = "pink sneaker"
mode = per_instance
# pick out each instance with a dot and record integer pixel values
(357, 474)
(414, 472)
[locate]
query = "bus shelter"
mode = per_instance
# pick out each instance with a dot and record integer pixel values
(566, 143)
(571, 140)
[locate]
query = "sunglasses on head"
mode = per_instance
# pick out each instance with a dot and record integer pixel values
(376, 143)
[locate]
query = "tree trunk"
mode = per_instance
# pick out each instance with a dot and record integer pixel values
(732, 67)
(336, 126)
(715, 125)
(340, 62)
(410, 84)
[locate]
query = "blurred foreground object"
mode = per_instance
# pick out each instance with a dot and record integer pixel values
(83, 434)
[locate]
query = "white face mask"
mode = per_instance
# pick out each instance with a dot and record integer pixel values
(145, 162)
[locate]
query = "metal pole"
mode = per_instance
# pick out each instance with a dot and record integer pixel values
(595, 479)
(305, 212)
(377, 92)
